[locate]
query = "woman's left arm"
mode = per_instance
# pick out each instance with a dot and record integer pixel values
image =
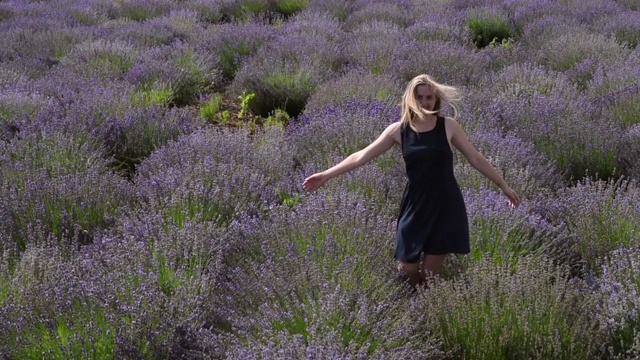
(461, 142)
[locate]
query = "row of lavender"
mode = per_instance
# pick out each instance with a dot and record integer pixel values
(209, 249)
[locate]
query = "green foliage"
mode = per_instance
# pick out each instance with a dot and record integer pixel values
(84, 332)
(200, 209)
(504, 44)
(245, 9)
(282, 89)
(5, 286)
(245, 99)
(489, 29)
(211, 107)
(288, 199)
(109, 63)
(224, 117)
(290, 7)
(158, 95)
(626, 111)
(278, 118)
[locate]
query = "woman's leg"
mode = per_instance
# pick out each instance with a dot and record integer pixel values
(412, 272)
(432, 264)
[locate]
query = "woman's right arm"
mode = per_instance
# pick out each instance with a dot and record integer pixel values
(383, 143)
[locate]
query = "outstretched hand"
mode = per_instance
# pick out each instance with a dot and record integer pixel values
(314, 181)
(514, 200)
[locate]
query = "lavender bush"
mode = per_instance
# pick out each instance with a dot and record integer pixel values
(287, 70)
(318, 278)
(563, 130)
(101, 59)
(56, 188)
(16, 107)
(211, 250)
(232, 43)
(340, 9)
(428, 30)
(618, 310)
(139, 10)
(345, 129)
(244, 9)
(500, 312)
(446, 62)
(601, 215)
(524, 169)
(209, 11)
(504, 236)
(279, 83)
(176, 26)
(379, 47)
(189, 73)
(141, 130)
(151, 284)
(355, 84)
(216, 175)
(566, 51)
(392, 12)
(625, 26)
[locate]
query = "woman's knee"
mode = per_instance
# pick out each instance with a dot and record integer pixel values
(432, 264)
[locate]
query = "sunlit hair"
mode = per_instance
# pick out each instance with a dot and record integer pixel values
(412, 109)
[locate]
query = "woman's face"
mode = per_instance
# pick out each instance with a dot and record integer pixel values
(426, 97)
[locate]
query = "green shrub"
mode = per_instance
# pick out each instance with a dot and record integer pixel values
(290, 7)
(84, 332)
(211, 107)
(489, 29)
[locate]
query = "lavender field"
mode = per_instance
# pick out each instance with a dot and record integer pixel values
(152, 154)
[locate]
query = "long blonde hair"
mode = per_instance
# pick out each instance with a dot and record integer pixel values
(443, 93)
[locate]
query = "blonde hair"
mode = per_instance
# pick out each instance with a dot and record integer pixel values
(443, 93)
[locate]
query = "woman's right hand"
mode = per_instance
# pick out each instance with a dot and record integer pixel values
(314, 181)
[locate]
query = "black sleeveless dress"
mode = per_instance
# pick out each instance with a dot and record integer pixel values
(433, 216)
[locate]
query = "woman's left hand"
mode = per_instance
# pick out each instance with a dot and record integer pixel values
(514, 200)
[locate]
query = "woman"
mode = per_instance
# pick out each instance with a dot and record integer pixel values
(433, 218)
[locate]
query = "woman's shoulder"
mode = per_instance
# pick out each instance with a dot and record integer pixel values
(394, 130)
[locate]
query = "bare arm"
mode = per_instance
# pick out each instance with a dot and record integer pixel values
(383, 143)
(461, 142)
